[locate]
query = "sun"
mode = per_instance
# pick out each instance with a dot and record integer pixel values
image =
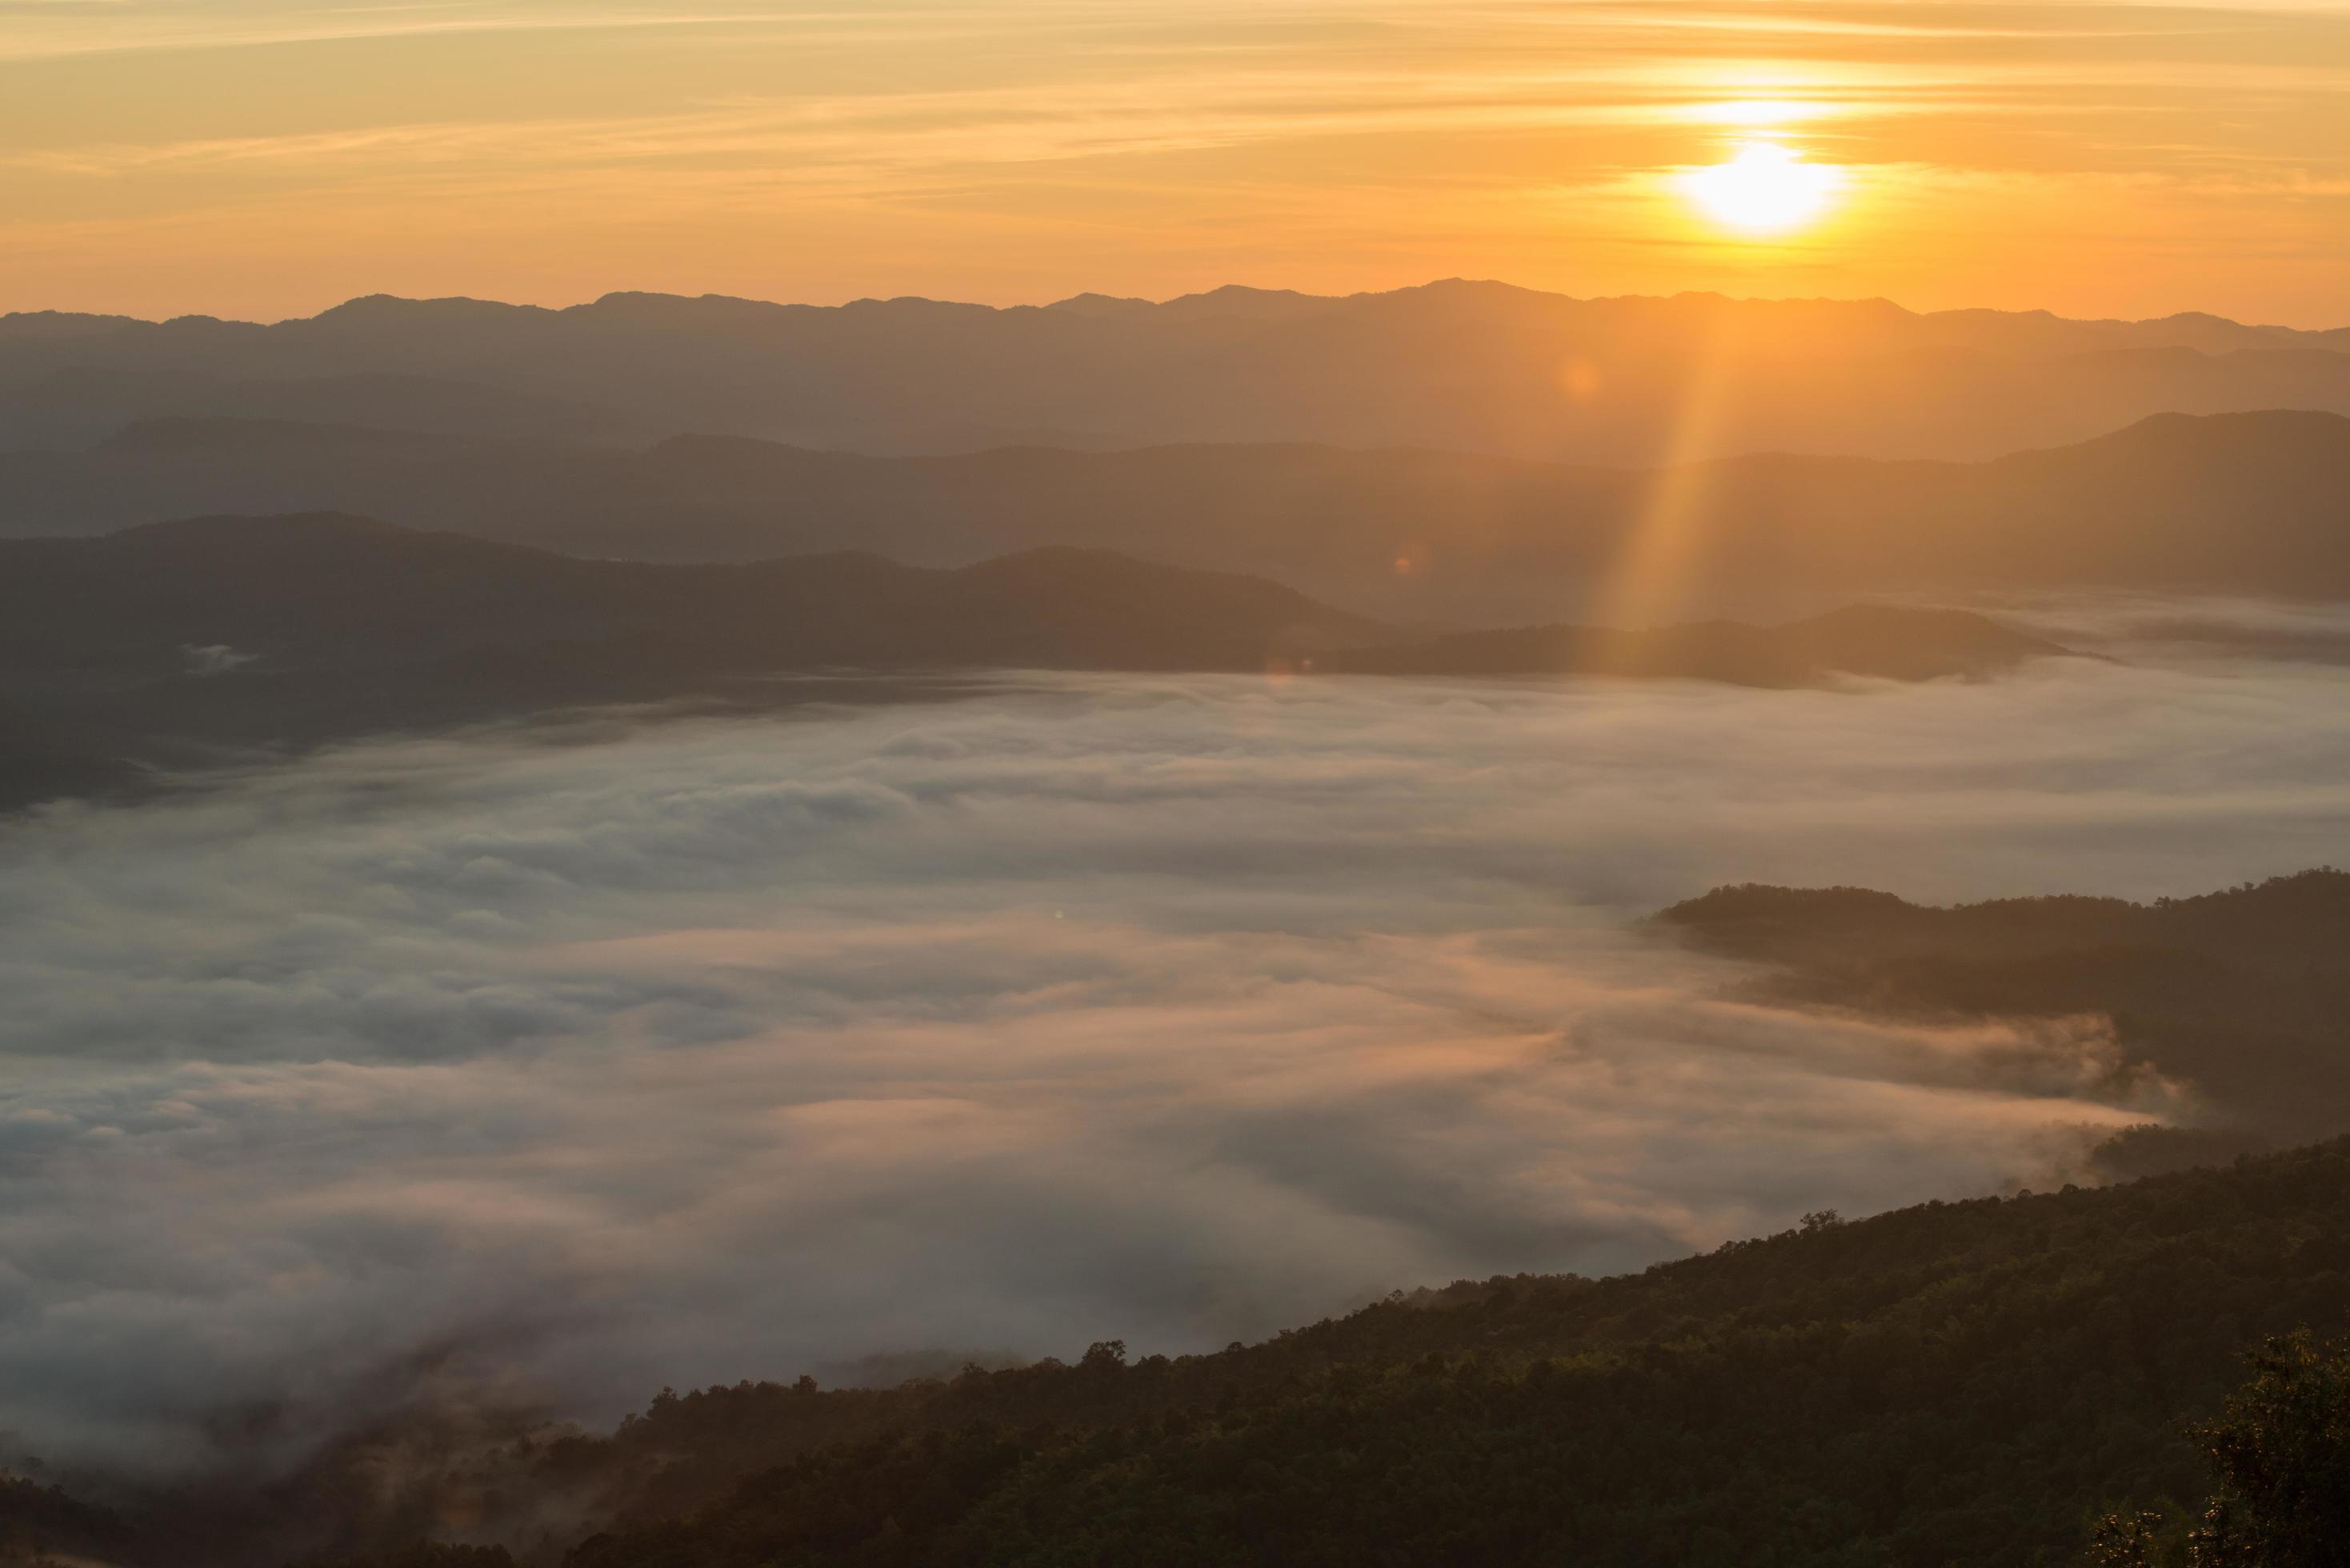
(1764, 189)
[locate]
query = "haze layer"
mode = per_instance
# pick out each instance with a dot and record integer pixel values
(1175, 1009)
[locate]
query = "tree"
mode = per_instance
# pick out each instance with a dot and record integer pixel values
(2280, 1451)
(2127, 1541)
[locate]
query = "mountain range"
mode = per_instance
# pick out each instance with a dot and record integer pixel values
(174, 644)
(2245, 504)
(1466, 366)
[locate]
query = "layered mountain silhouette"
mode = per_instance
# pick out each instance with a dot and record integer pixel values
(166, 644)
(2250, 504)
(347, 593)
(81, 406)
(1475, 367)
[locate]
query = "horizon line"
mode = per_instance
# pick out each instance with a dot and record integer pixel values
(1106, 301)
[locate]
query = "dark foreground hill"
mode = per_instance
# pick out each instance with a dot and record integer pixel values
(2250, 504)
(173, 644)
(42, 1527)
(1963, 1383)
(2245, 993)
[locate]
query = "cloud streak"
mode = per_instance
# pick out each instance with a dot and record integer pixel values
(1151, 148)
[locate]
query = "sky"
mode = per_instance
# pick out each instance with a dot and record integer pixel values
(267, 158)
(1171, 1009)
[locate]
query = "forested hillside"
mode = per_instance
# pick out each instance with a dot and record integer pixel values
(1972, 1383)
(2242, 993)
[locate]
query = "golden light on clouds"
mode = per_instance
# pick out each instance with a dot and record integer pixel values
(1764, 187)
(1764, 111)
(284, 154)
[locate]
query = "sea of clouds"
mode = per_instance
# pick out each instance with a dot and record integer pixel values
(1177, 1010)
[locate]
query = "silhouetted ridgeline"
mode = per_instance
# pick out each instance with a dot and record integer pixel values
(165, 645)
(1475, 367)
(2244, 992)
(1966, 1383)
(2250, 504)
(350, 593)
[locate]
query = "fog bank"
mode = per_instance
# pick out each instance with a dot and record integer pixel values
(1174, 1010)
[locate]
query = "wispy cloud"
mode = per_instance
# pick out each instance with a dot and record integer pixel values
(956, 148)
(80, 27)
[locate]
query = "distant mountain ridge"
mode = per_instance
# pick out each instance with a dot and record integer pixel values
(83, 406)
(2247, 504)
(2010, 329)
(1472, 366)
(349, 594)
(176, 643)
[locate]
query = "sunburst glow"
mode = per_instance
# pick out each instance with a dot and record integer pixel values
(1765, 188)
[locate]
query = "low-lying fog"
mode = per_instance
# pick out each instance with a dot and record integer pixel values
(1174, 1010)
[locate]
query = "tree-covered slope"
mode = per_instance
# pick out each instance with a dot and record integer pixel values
(2242, 993)
(1958, 1383)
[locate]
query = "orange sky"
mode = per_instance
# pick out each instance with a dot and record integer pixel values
(263, 158)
